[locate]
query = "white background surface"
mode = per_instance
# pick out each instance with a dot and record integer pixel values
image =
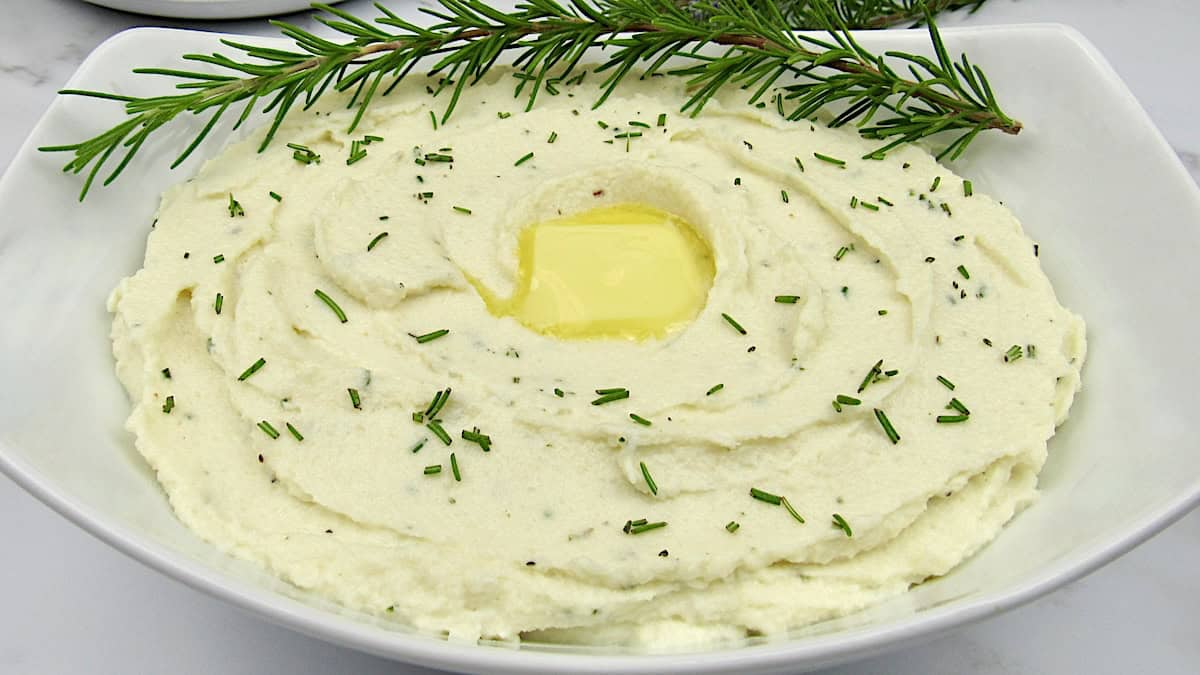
(70, 604)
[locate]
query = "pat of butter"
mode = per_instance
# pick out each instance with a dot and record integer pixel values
(625, 271)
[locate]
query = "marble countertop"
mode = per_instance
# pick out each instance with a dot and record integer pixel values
(71, 604)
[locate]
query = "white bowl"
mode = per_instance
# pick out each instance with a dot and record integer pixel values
(1119, 224)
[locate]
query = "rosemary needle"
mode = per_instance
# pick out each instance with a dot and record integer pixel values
(840, 523)
(294, 432)
(787, 299)
(254, 368)
(732, 526)
(439, 431)
(430, 336)
(832, 160)
(524, 158)
(767, 497)
(714, 389)
(887, 426)
(168, 404)
(649, 479)
(331, 304)
(355, 400)
(454, 467)
(646, 527)
(268, 429)
(378, 238)
(433, 469)
(733, 322)
(788, 505)
(610, 395)
(218, 303)
(947, 383)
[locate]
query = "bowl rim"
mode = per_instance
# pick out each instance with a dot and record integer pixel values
(424, 650)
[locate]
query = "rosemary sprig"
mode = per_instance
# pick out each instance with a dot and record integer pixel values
(811, 71)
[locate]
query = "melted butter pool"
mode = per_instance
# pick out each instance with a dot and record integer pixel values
(625, 271)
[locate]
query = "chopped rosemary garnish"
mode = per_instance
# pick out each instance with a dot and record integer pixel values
(304, 154)
(1013, 353)
(847, 400)
(610, 395)
(419, 444)
(462, 209)
(439, 157)
(784, 196)
(882, 312)
(553, 137)
(218, 303)
(840, 523)
(454, 468)
(378, 238)
(767, 497)
(875, 371)
(268, 429)
(841, 253)
(166, 373)
(662, 119)
(788, 505)
(733, 322)
(559, 392)
(646, 527)
(947, 383)
(952, 419)
(168, 404)
(831, 160)
(854, 202)
(968, 189)
(439, 401)
(883, 201)
(295, 432)
(962, 269)
(430, 336)
(639, 419)
(868, 205)
(1031, 351)
(635, 123)
(956, 404)
(732, 526)
(649, 479)
(602, 124)
(275, 195)
(439, 431)
(787, 299)
(433, 469)
(355, 400)
(433, 121)
(218, 258)
(714, 389)
(357, 152)
(369, 139)
(887, 426)
(235, 208)
(524, 158)
(474, 436)
(503, 115)
(799, 164)
(331, 305)
(936, 182)
(254, 367)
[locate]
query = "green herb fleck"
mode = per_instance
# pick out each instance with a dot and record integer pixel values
(639, 419)
(887, 426)
(714, 389)
(956, 404)
(357, 152)
(733, 322)
(871, 375)
(646, 527)
(454, 468)
(433, 469)
(525, 158)
(559, 392)
(254, 368)
(831, 160)
(166, 373)
(295, 432)
(767, 497)
(276, 196)
(355, 400)
(662, 119)
(553, 137)
(947, 383)
(378, 238)
(474, 436)
(1013, 353)
(784, 196)
(649, 479)
(430, 336)
(331, 305)
(218, 303)
(732, 526)
(936, 182)
(968, 189)
(218, 258)
(962, 269)
(503, 115)
(787, 299)
(439, 431)
(420, 444)
(304, 154)
(841, 524)
(610, 395)
(788, 505)
(268, 429)
(847, 400)
(841, 253)
(168, 405)
(952, 419)
(799, 164)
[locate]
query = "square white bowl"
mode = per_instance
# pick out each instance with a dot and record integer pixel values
(1117, 216)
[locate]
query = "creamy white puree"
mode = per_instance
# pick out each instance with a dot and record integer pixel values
(530, 542)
